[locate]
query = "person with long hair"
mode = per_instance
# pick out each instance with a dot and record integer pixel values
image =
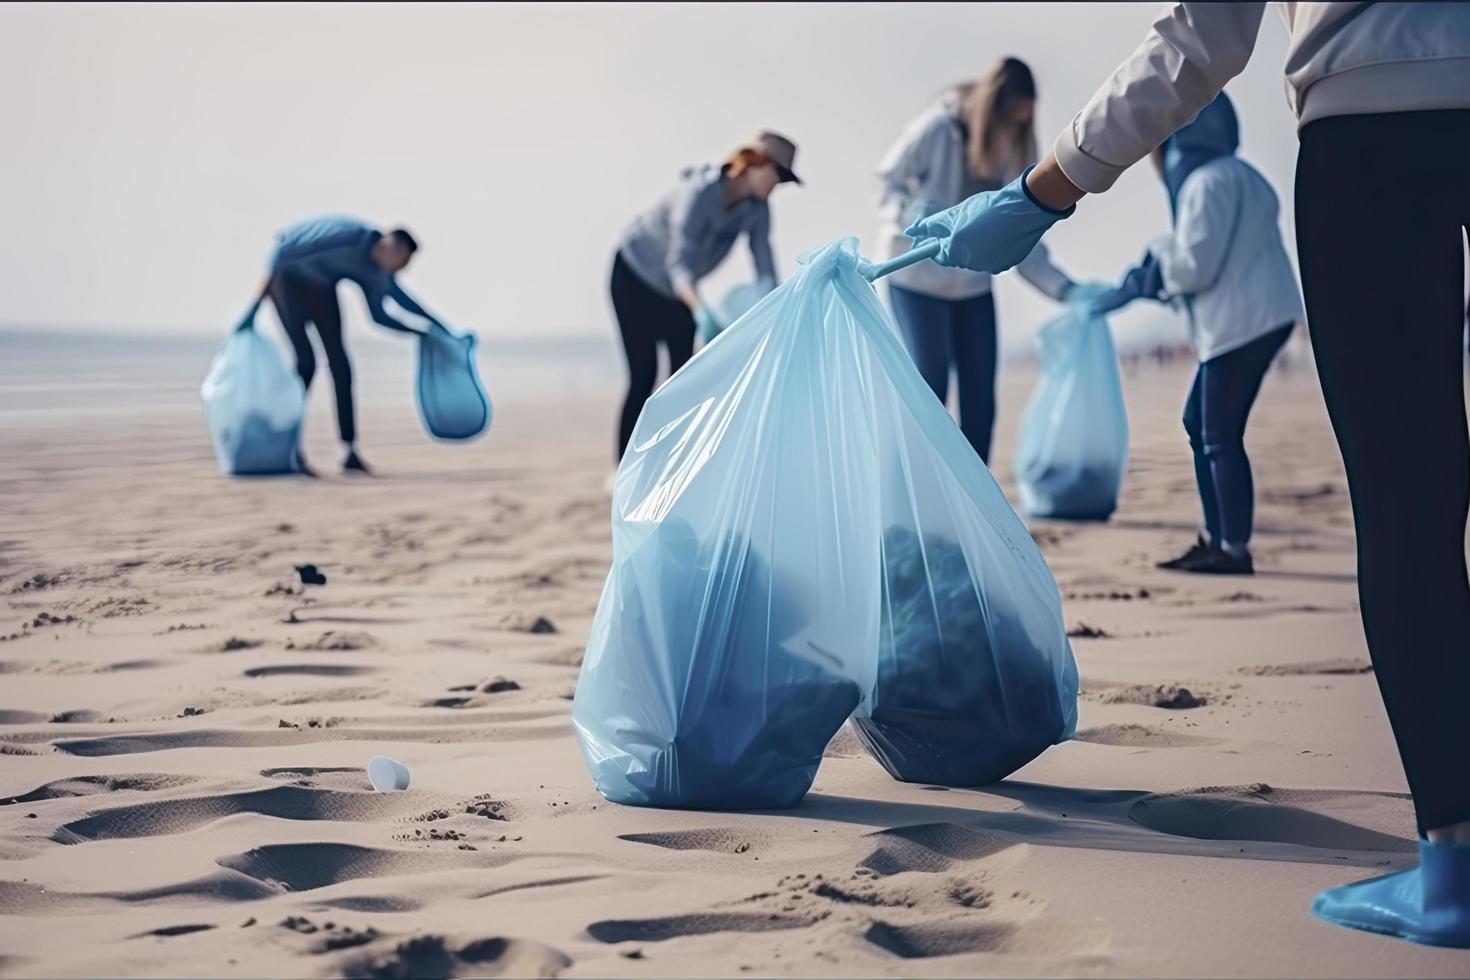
(1382, 211)
(979, 136)
(681, 239)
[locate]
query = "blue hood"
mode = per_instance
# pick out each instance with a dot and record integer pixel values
(1215, 132)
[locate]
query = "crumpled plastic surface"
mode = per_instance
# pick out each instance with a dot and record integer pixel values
(254, 404)
(1073, 447)
(452, 401)
(757, 514)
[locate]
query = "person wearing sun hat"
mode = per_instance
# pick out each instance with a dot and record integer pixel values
(678, 241)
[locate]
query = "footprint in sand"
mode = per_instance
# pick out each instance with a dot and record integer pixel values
(1252, 813)
(1140, 737)
(438, 956)
(179, 816)
(721, 840)
(699, 924)
(307, 670)
(146, 782)
(303, 867)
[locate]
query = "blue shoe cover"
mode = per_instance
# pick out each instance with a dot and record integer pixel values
(1429, 904)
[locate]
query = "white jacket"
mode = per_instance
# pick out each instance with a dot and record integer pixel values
(1226, 260)
(927, 163)
(1343, 59)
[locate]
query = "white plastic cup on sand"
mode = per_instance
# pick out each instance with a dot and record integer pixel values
(387, 774)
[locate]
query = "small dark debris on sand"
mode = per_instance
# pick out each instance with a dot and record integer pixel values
(280, 588)
(1243, 597)
(38, 582)
(191, 712)
(238, 643)
(299, 923)
(47, 619)
(346, 938)
(283, 723)
(1159, 696)
(487, 808)
(1086, 631)
(311, 575)
(631, 954)
(1114, 595)
(500, 684)
(523, 623)
(181, 627)
(168, 931)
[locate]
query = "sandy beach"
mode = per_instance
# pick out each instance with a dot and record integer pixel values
(184, 729)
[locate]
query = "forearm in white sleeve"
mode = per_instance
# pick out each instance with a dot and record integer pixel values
(1191, 51)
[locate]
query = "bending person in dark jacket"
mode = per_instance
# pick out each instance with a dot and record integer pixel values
(310, 258)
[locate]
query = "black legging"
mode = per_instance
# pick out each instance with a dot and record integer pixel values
(646, 317)
(1382, 203)
(1219, 403)
(298, 303)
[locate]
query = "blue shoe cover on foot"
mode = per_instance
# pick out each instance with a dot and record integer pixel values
(1429, 904)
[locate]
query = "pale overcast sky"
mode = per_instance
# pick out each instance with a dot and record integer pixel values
(150, 152)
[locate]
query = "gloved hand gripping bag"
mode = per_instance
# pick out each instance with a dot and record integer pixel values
(452, 402)
(253, 404)
(740, 623)
(1073, 448)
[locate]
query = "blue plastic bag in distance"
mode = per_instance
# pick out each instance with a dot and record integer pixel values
(254, 405)
(743, 619)
(1073, 447)
(452, 401)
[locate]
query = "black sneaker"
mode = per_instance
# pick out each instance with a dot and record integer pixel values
(1217, 561)
(354, 464)
(1196, 551)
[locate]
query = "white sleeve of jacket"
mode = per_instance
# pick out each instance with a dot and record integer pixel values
(1191, 258)
(906, 164)
(1191, 51)
(1038, 270)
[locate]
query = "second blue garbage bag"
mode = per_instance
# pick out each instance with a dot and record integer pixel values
(1073, 447)
(452, 401)
(757, 521)
(253, 403)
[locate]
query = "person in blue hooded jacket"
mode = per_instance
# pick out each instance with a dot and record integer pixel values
(309, 259)
(1225, 264)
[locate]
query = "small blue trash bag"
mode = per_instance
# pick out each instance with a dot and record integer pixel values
(452, 401)
(1073, 447)
(254, 405)
(743, 619)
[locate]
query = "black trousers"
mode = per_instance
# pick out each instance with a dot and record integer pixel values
(646, 318)
(1215, 413)
(1382, 204)
(299, 303)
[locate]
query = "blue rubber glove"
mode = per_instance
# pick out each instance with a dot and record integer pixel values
(991, 231)
(1143, 281)
(708, 323)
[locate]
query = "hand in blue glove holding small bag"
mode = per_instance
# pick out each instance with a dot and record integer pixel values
(1144, 280)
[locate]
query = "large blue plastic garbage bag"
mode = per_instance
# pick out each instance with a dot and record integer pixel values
(1074, 433)
(743, 618)
(254, 405)
(452, 401)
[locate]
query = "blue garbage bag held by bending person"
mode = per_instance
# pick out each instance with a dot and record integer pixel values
(253, 404)
(761, 515)
(1074, 434)
(452, 401)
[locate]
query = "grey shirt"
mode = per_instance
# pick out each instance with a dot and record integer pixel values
(689, 231)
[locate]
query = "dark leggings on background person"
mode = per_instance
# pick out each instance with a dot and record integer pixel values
(954, 333)
(298, 303)
(1225, 388)
(646, 318)
(1382, 204)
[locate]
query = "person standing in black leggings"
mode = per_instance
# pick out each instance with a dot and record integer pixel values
(679, 241)
(1382, 207)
